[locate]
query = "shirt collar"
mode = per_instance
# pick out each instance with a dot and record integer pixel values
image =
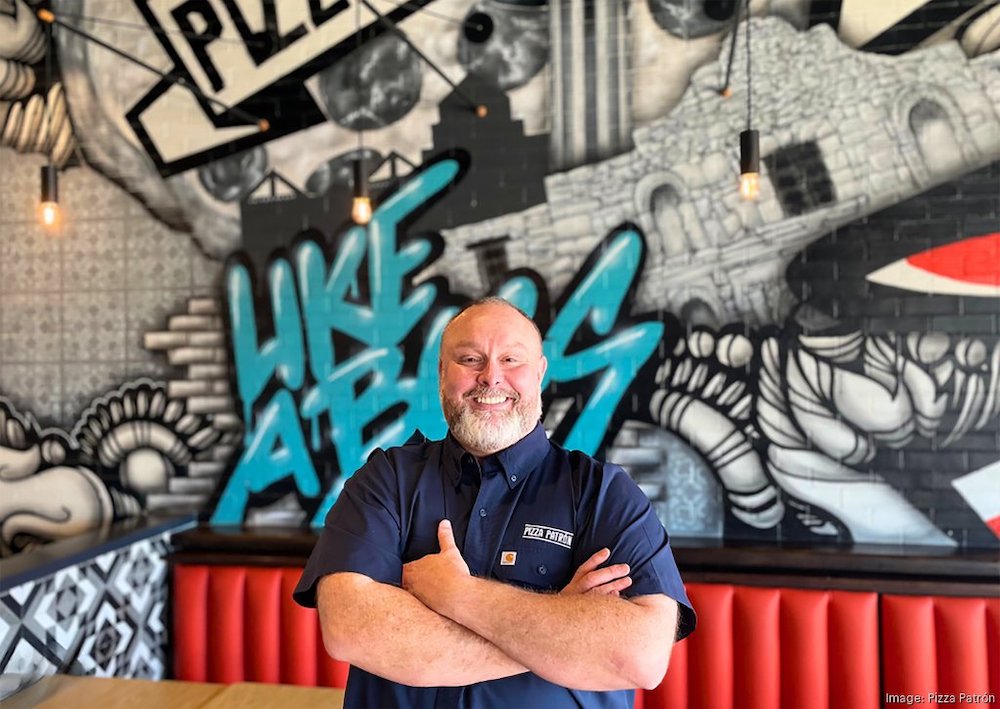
(518, 461)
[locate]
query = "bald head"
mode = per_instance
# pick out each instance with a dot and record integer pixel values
(491, 370)
(491, 304)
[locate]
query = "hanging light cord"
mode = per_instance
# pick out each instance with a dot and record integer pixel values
(48, 17)
(415, 7)
(255, 43)
(479, 109)
(749, 85)
(49, 48)
(724, 89)
(155, 30)
(357, 76)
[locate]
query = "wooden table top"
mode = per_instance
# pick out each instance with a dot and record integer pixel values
(59, 691)
(254, 695)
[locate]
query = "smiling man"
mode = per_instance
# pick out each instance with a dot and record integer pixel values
(494, 567)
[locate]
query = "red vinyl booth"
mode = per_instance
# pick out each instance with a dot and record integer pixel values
(239, 623)
(754, 647)
(942, 646)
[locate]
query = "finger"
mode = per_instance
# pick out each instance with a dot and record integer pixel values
(603, 576)
(595, 560)
(619, 584)
(446, 538)
(612, 588)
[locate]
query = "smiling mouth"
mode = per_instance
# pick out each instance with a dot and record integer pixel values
(491, 398)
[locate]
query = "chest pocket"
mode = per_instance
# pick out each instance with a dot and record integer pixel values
(535, 564)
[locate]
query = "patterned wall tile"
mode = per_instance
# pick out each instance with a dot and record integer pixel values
(39, 383)
(96, 250)
(206, 273)
(80, 194)
(157, 257)
(94, 326)
(103, 617)
(30, 261)
(148, 311)
(32, 329)
(20, 186)
(89, 380)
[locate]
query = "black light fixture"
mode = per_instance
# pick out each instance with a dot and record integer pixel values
(361, 207)
(749, 164)
(49, 212)
(749, 139)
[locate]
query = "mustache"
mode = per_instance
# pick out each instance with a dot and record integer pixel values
(489, 391)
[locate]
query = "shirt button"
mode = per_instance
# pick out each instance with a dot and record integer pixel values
(513, 478)
(482, 511)
(542, 570)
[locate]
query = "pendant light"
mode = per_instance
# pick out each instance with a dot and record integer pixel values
(749, 139)
(361, 207)
(49, 212)
(749, 164)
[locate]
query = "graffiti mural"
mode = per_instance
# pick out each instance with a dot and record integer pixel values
(213, 333)
(786, 420)
(129, 450)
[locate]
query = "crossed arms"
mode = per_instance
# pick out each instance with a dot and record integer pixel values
(448, 628)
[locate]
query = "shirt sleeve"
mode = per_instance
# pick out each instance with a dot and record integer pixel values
(622, 519)
(361, 533)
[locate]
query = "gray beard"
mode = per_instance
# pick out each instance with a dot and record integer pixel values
(490, 432)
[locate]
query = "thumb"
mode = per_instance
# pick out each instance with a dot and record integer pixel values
(446, 538)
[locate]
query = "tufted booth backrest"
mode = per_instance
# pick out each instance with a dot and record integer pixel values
(941, 645)
(239, 623)
(754, 647)
(775, 647)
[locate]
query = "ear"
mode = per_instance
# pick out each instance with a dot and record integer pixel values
(541, 370)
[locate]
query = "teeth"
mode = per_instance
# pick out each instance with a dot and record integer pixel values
(491, 399)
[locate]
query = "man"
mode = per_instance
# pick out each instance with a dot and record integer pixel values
(436, 574)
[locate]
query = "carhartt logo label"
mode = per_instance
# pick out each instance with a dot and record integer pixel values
(548, 534)
(507, 558)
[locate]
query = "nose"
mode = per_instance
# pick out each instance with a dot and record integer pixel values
(490, 375)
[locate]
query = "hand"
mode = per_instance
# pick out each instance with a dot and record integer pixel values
(436, 578)
(608, 581)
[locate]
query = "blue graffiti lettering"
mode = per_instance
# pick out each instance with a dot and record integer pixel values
(275, 450)
(328, 313)
(343, 323)
(281, 356)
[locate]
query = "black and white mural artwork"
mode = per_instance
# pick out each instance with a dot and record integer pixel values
(211, 332)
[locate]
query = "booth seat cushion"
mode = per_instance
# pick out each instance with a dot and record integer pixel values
(754, 647)
(775, 647)
(235, 623)
(938, 645)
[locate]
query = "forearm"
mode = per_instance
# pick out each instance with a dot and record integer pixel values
(386, 631)
(580, 641)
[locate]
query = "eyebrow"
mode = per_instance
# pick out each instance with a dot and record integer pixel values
(472, 346)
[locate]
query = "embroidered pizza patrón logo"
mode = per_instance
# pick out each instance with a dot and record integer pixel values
(548, 534)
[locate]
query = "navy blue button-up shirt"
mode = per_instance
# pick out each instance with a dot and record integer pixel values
(529, 515)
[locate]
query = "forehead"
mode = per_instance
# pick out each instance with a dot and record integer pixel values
(491, 324)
